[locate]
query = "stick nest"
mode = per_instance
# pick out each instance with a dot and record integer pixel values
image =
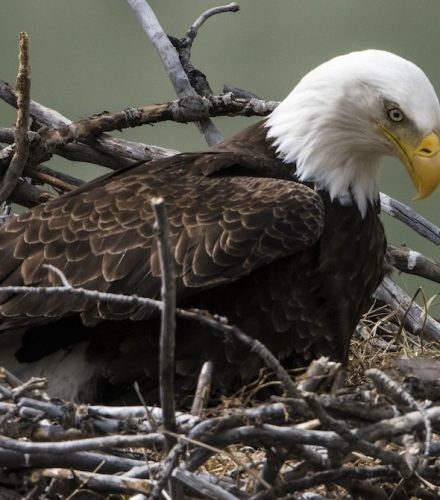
(369, 430)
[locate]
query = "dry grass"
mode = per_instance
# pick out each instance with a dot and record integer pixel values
(379, 339)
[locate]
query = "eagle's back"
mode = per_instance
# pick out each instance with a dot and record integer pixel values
(279, 259)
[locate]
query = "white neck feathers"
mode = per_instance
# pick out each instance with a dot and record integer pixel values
(329, 142)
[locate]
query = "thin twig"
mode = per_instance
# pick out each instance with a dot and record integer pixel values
(58, 180)
(168, 465)
(198, 80)
(21, 140)
(203, 388)
(10, 377)
(167, 330)
(168, 320)
(196, 25)
(405, 424)
(220, 451)
(101, 150)
(43, 114)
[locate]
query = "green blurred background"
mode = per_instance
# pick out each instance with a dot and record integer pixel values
(91, 55)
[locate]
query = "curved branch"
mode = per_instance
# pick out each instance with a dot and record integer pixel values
(196, 25)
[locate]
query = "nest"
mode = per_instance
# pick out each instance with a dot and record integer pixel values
(369, 430)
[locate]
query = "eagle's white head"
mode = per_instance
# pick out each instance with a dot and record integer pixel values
(346, 114)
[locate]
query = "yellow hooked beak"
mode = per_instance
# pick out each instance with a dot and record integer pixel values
(422, 161)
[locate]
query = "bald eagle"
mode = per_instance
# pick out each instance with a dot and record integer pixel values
(276, 228)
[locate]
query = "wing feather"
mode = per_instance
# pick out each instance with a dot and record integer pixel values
(101, 236)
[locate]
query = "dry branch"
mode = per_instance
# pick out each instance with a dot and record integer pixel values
(184, 45)
(203, 389)
(411, 262)
(201, 485)
(99, 482)
(196, 25)
(21, 153)
(410, 313)
(183, 110)
(170, 60)
(101, 150)
(411, 218)
(168, 320)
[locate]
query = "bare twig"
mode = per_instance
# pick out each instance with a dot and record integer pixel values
(83, 460)
(168, 465)
(167, 330)
(411, 218)
(99, 482)
(42, 114)
(99, 443)
(83, 292)
(10, 377)
(21, 154)
(168, 319)
(196, 25)
(185, 109)
(201, 485)
(183, 46)
(58, 180)
(100, 150)
(28, 195)
(415, 318)
(355, 442)
(412, 262)
(203, 388)
(239, 463)
(326, 477)
(405, 424)
(402, 398)
(170, 60)
(275, 458)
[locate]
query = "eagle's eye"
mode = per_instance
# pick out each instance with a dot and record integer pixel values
(395, 114)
